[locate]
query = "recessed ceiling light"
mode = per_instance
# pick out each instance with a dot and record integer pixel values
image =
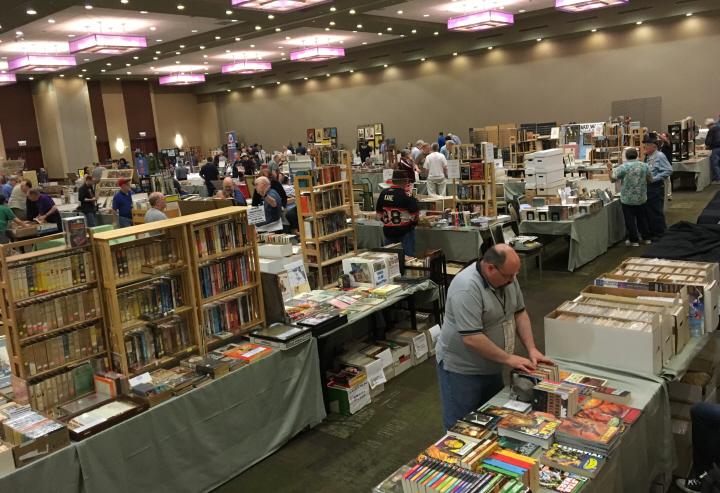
(103, 70)
(128, 65)
(252, 46)
(88, 78)
(86, 59)
(278, 83)
(327, 28)
(129, 73)
(332, 9)
(227, 51)
(522, 11)
(51, 21)
(71, 35)
(158, 52)
(351, 11)
(81, 75)
(539, 39)
(389, 28)
(364, 42)
(84, 70)
(177, 53)
(422, 59)
(136, 58)
(109, 64)
(31, 78)
(229, 12)
(117, 78)
(271, 17)
(257, 28)
(414, 31)
(379, 34)
(359, 26)
(332, 23)
(455, 53)
(252, 87)
(233, 20)
(143, 12)
(155, 58)
(182, 46)
(639, 23)
(327, 75)
(124, 1)
(217, 37)
(180, 7)
(177, 61)
(18, 33)
(593, 30)
(426, 15)
(352, 71)
(158, 40)
(385, 65)
(238, 39)
(194, 31)
(400, 12)
(202, 47)
(88, 7)
(277, 29)
(153, 28)
(490, 47)
(31, 12)
(62, 75)
(144, 78)
(689, 14)
(435, 33)
(282, 53)
(228, 90)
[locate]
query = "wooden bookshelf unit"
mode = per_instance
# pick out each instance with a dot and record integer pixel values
(226, 268)
(52, 318)
(324, 208)
(475, 190)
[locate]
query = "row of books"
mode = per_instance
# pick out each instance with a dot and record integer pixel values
(328, 174)
(24, 425)
(56, 313)
(328, 274)
(328, 224)
(276, 238)
(57, 351)
(225, 274)
(150, 301)
(227, 314)
(129, 261)
(51, 275)
(59, 389)
(155, 341)
(431, 475)
(471, 192)
(220, 237)
(324, 199)
(329, 249)
(472, 172)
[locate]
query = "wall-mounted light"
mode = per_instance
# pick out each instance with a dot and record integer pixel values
(120, 145)
(178, 141)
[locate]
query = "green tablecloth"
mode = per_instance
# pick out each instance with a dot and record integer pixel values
(700, 167)
(194, 442)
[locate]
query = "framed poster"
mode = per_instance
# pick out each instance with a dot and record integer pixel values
(318, 135)
(333, 132)
(378, 128)
(326, 133)
(361, 133)
(369, 132)
(310, 135)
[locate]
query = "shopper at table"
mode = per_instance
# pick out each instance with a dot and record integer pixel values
(156, 212)
(417, 150)
(425, 151)
(122, 204)
(436, 165)
(181, 171)
(301, 149)
(407, 165)
(8, 186)
(88, 201)
(705, 417)
(18, 198)
(660, 169)
(456, 140)
(484, 312)
(45, 209)
(210, 173)
(448, 150)
(635, 176)
(272, 204)
(398, 211)
(275, 185)
(231, 191)
(6, 217)
(441, 140)
(712, 143)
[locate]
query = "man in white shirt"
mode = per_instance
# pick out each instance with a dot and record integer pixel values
(436, 164)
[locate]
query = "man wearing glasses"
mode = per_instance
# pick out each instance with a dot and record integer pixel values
(484, 312)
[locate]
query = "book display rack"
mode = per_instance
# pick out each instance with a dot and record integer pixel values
(475, 191)
(226, 264)
(682, 137)
(109, 184)
(327, 227)
(52, 318)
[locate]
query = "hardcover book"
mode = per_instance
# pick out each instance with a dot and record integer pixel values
(608, 412)
(534, 427)
(588, 434)
(574, 460)
(561, 481)
(452, 448)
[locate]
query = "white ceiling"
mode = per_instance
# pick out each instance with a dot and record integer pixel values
(434, 11)
(272, 48)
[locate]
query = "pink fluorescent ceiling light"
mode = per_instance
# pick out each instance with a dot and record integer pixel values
(181, 79)
(40, 63)
(316, 54)
(583, 5)
(276, 5)
(246, 67)
(480, 21)
(107, 44)
(7, 79)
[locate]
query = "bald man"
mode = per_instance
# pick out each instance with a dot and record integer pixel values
(485, 310)
(157, 208)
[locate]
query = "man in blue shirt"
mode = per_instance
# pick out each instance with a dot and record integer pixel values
(660, 169)
(122, 204)
(231, 191)
(8, 186)
(441, 140)
(448, 150)
(272, 203)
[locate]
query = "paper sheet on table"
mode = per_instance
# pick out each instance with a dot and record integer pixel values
(375, 373)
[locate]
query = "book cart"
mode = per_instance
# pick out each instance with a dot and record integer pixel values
(326, 236)
(52, 318)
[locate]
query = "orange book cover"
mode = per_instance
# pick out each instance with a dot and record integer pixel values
(249, 352)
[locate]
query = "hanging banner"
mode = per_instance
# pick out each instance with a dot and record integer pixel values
(231, 140)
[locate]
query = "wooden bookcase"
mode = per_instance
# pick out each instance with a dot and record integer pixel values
(221, 241)
(52, 318)
(147, 286)
(475, 190)
(324, 207)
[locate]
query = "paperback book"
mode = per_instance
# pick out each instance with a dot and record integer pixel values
(535, 427)
(573, 460)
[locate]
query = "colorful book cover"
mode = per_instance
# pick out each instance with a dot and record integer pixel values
(579, 378)
(574, 460)
(481, 419)
(589, 431)
(523, 448)
(470, 430)
(534, 424)
(451, 448)
(608, 412)
(561, 481)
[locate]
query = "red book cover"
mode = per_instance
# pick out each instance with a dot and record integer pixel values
(511, 460)
(608, 412)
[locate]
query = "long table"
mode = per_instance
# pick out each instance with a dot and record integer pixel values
(590, 234)
(698, 167)
(645, 452)
(193, 442)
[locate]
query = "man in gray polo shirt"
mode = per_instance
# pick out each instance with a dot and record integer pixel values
(485, 309)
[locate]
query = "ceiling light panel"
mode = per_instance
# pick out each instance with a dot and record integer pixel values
(441, 11)
(585, 5)
(276, 5)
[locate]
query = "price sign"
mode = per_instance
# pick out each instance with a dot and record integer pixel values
(256, 215)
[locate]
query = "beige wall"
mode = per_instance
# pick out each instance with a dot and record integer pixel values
(570, 79)
(176, 113)
(207, 113)
(114, 105)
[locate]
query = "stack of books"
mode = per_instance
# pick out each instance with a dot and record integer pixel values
(587, 434)
(519, 467)
(573, 460)
(557, 398)
(534, 427)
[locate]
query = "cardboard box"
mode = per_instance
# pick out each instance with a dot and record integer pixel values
(590, 206)
(682, 438)
(348, 401)
(365, 272)
(7, 461)
(28, 452)
(633, 350)
(562, 212)
(676, 306)
(416, 341)
(376, 351)
(711, 270)
(693, 387)
(402, 355)
(268, 250)
(542, 178)
(681, 410)
(546, 160)
(277, 265)
(550, 189)
(528, 214)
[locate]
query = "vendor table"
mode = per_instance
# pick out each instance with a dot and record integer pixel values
(193, 442)
(590, 234)
(699, 167)
(645, 451)
(459, 244)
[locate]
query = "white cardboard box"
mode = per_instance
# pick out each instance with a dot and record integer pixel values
(417, 342)
(401, 353)
(633, 350)
(547, 160)
(275, 251)
(277, 265)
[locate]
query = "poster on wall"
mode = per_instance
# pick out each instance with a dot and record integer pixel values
(318, 135)
(333, 132)
(326, 133)
(369, 132)
(231, 139)
(310, 135)
(378, 129)
(361, 133)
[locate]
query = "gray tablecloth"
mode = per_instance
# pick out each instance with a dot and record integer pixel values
(616, 222)
(196, 441)
(458, 244)
(700, 167)
(588, 235)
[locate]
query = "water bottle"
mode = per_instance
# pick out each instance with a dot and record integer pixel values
(697, 318)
